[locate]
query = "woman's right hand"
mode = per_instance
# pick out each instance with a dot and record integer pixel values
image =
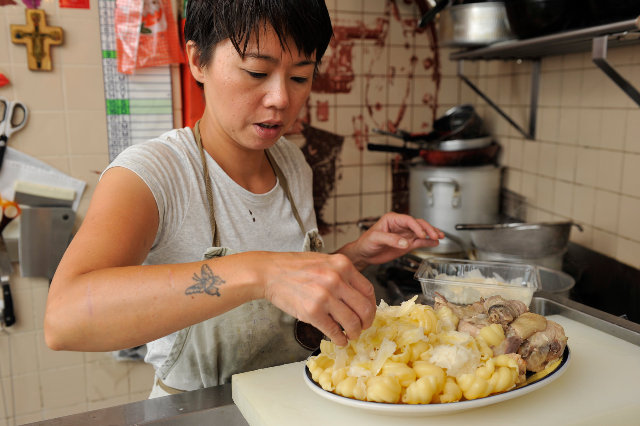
(325, 290)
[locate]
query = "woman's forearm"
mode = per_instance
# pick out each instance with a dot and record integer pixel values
(122, 307)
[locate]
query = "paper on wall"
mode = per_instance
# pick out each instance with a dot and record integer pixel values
(19, 166)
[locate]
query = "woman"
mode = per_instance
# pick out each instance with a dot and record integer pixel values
(233, 188)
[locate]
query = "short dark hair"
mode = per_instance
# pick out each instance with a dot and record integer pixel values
(209, 22)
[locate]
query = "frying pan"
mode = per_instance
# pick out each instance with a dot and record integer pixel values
(466, 157)
(459, 122)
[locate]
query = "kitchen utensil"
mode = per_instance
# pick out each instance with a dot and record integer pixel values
(39, 195)
(474, 24)
(464, 144)
(13, 117)
(446, 196)
(44, 235)
(535, 243)
(459, 122)
(431, 14)
(435, 157)
(10, 210)
(6, 269)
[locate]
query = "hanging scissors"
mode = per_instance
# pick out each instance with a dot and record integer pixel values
(13, 117)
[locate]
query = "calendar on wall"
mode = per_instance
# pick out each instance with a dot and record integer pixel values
(139, 106)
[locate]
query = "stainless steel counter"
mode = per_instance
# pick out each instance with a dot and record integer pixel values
(214, 406)
(210, 406)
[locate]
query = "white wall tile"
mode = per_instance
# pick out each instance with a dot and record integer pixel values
(631, 175)
(613, 129)
(531, 156)
(547, 160)
(609, 175)
(632, 137)
(565, 162)
(606, 211)
(587, 166)
(584, 204)
(347, 181)
(563, 198)
(589, 124)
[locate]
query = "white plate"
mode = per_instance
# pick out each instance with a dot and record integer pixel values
(436, 409)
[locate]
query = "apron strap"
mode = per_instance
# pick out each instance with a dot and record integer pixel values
(209, 190)
(207, 186)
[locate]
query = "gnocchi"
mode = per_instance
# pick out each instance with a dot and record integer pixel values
(412, 354)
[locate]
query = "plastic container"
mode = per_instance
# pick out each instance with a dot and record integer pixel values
(466, 281)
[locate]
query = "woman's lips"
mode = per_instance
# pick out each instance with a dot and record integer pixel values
(268, 130)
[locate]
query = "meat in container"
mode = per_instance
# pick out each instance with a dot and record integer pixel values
(466, 281)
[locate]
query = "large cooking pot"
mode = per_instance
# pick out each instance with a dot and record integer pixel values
(541, 244)
(446, 196)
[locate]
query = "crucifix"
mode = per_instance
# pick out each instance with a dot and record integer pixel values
(38, 37)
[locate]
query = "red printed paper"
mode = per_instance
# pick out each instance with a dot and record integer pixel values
(75, 4)
(146, 34)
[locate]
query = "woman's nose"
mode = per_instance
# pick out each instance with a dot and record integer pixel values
(277, 95)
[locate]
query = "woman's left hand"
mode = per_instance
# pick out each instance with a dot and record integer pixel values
(392, 236)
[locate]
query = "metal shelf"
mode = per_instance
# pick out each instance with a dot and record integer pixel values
(618, 34)
(597, 39)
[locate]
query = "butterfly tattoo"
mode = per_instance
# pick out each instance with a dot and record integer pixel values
(206, 282)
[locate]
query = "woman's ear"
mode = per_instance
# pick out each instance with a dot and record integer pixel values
(194, 61)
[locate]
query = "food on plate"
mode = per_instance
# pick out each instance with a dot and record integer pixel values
(537, 340)
(419, 354)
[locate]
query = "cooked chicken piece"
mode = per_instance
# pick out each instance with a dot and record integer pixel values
(543, 347)
(527, 324)
(461, 311)
(473, 325)
(502, 311)
(519, 330)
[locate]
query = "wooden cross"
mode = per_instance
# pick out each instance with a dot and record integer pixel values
(38, 37)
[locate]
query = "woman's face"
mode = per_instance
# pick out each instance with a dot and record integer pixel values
(251, 102)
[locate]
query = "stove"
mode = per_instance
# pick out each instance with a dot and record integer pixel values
(601, 282)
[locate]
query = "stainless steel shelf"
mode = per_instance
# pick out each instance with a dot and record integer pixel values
(597, 39)
(619, 34)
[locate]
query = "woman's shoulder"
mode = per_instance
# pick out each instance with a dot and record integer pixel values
(173, 147)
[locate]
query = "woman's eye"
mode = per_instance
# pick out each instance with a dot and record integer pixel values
(257, 74)
(300, 79)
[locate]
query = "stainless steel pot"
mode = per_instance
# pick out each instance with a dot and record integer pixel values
(541, 244)
(474, 24)
(446, 196)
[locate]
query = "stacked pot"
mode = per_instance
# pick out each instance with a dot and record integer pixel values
(453, 176)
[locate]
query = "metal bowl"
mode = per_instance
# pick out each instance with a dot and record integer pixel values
(535, 243)
(474, 24)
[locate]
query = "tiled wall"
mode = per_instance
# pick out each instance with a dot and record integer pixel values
(67, 130)
(584, 164)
